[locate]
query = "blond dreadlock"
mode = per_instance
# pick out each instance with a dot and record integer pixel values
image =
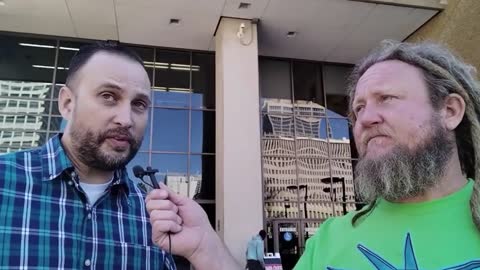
(444, 74)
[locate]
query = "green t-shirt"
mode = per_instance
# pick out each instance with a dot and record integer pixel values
(438, 234)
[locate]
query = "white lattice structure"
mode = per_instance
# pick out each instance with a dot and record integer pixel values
(21, 104)
(305, 159)
(180, 184)
(307, 117)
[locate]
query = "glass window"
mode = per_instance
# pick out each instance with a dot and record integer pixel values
(339, 134)
(27, 60)
(337, 129)
(146, 54)
(24, 122)
(342, 171)
(285, 209)
(56, 90)
(12, 103)
(146, 136)
(308, 120)
(23, 103)
(275, 79)
(172, 70)
(311, 173)
(20, 140)
(57, 124)
(170, 132)
(335, 82)
(313, 147)
(25, 106)
(275, 125)
(55, 110)
(203, 80)
(67, 50)
(353, 147)
(278, 173)
(23, 89)
(202, 177)
(307, 83)
(177, 99)
(173, 169)
(203, 132)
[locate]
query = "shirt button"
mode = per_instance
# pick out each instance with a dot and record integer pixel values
(70, 183)
(89, 216)
(87, 262)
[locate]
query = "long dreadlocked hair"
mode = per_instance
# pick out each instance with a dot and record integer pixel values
(444, 74)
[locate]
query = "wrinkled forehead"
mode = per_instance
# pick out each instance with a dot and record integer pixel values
(107, 66)
(389, 76)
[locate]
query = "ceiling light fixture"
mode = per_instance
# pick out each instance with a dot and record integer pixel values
(49, 67)
(174, 21)
(36, 45)
(69, 49)
(291, 34)
(244, 5)
(2, 3)
(46, 46)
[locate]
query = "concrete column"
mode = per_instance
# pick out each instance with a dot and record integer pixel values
(238, 162)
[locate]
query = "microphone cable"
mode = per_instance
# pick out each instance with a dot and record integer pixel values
(139, 172)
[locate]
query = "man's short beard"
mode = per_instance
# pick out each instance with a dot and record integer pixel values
(87, 147)
(404, 173)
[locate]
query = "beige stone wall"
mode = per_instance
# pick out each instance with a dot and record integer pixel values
(458, 27)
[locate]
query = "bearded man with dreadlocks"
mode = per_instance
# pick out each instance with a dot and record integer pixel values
(415, 114)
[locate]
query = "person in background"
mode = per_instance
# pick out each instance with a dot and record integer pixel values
(255, 251)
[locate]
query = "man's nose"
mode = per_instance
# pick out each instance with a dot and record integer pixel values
(369, 116)
(123, 116)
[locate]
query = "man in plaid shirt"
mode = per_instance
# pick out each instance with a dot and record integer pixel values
(70, 204)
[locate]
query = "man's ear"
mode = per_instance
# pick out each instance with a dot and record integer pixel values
(66, 102)
(454, 110)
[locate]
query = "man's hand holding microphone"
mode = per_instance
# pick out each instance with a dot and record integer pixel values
(191, 234)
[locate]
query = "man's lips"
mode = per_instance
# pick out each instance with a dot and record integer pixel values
(370, 138)
(120, 138)
(119, 141)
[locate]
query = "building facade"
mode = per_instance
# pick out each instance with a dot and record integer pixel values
(248, 118)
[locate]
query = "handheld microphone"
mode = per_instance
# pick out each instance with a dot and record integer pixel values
(151, 172)
(139, 172)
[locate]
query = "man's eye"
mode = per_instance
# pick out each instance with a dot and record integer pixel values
(358, 108)
(108, 97)
(140, 104)
(386, 98)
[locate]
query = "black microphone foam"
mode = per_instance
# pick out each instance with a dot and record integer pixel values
(138, 171)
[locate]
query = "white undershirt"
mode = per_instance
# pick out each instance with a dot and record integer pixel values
(94, 191)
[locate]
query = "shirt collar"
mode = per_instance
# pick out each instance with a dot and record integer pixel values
(55, 161)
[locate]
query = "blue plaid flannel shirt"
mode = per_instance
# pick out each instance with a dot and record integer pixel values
(46, 221)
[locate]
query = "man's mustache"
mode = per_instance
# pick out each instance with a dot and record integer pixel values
(372, 133)
(122, 133)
